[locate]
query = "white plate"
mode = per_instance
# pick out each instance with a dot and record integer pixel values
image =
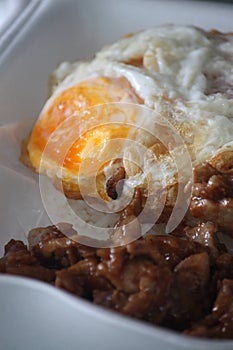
(13, 15)
(34, 315)
(8, 11)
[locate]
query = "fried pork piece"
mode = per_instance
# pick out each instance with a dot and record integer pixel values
(52, 248)
(191, 292)
(146, 279)
(205, 233)
(218, 324)
(113, 184)
(223, 267)
(183, 283)
(18, 261)
(82, 278)
(128, 228)
(212, 198)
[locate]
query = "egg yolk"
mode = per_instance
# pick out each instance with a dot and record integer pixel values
(77, 120)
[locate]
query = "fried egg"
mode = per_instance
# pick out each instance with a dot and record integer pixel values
(145, 90)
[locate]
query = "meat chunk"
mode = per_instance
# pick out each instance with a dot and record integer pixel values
(82, 278)
(54, 249)
(128, 227)
(18, 261)
(149, 287)
(205, 233)
(218, 324)
(173, 249)
(212, 198)
(223, 267)
(114, 184)
(190, 293)
(151, 302)
(146, 279)
(183, 282)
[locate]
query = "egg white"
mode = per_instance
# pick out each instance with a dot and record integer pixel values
(178, 66)
(178, 63)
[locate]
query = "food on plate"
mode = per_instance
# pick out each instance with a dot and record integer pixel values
(182, 283)
(150, 115)
(166, 95)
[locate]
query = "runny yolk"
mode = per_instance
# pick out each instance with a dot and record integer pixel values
(77, 120)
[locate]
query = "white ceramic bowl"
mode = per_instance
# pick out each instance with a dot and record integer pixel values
(37, 316)
(34, 315)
